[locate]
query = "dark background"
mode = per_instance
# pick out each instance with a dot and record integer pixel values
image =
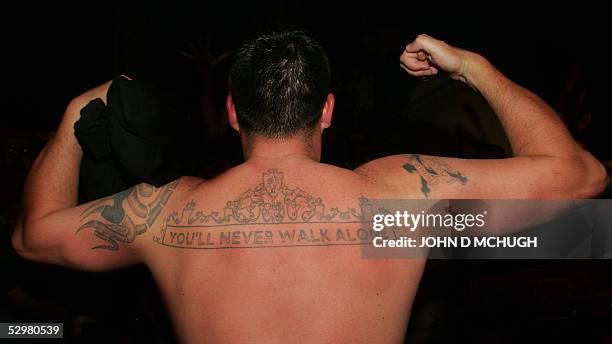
(50, 54)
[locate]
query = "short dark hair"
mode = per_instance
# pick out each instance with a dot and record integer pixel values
(279, 82)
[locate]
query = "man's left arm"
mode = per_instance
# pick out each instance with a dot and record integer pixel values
(100, 235)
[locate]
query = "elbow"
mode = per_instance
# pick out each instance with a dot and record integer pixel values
(19, 244)
(24, 243)
(590, 179)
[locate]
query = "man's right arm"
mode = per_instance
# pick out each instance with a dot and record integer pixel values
(548, 162)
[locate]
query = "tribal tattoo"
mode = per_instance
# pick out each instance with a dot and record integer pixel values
(123, 216)
(431, 172)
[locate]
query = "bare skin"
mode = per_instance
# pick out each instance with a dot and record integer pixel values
(269, 251)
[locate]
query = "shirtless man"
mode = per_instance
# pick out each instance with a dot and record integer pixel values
(267, 252)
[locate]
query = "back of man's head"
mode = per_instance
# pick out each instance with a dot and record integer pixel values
(279, 83)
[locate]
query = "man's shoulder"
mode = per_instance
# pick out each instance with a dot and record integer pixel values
(190, 182)
(388, 176)
(383, 165)
(183, 187)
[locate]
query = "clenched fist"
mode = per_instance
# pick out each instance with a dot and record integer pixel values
(426, 55)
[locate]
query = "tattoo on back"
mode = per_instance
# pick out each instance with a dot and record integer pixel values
(271, 214)
(123, 216)
(431, 172)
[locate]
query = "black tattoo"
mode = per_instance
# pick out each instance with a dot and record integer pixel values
(270, 202)
(250, 221)
(431, 172)
(217, 238)
(109, 218)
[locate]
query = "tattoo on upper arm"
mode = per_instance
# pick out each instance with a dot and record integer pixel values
(123, 216)
(431, 171)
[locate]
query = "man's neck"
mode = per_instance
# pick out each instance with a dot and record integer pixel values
(264, 150)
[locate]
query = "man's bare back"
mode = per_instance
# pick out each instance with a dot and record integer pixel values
(270, 251)
(273, 254)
